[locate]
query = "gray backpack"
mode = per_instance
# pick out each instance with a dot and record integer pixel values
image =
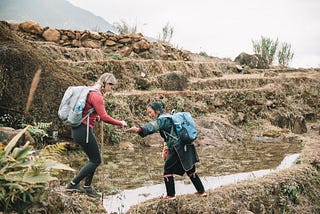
(72, 105)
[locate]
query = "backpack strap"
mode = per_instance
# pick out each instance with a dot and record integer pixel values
(171, 134)
(90, 111)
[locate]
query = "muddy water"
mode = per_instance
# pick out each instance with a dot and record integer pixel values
(137, 176)
(122, 201)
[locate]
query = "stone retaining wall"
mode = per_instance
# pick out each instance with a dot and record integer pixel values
(127, 45)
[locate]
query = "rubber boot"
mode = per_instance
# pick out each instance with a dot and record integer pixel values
(169, 182)
(197, 182)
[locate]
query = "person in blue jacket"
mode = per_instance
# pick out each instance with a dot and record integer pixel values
(179, 159)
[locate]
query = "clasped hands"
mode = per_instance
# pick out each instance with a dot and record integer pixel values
(132, 130)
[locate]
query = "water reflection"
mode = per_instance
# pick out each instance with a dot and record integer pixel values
(121, 202)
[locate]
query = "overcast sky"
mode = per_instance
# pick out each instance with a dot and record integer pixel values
(222, 28)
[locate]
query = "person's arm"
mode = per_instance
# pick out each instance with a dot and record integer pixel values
(148, 128)
(98, 104)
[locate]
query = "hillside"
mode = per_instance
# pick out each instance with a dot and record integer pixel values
(229, 105)
(57, 14)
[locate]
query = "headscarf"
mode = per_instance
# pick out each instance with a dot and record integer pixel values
(157, 106)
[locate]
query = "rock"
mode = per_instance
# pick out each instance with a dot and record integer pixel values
(126, 40)
(141, 46)
(31, 27)
(7, 133)
(91, 44)
(95, 35)
(253, 61)
(51, 35)
(110, 43)
(14, 26)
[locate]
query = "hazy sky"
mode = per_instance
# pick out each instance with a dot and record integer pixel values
(222, 28)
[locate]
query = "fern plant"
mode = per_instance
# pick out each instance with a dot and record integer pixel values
(39, 131)
(24, 174)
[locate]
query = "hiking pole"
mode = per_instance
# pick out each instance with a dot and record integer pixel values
(102, 136)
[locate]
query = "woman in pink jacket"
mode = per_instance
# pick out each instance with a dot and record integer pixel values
(94, 100)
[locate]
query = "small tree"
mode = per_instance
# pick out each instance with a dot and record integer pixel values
(167, 33)
(266, 48)
(285, 54)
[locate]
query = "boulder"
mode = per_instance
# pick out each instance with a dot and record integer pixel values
(7, 133)
(31, 27)
(51, 35)
(253, 61)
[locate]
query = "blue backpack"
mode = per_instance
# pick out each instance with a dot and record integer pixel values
(183, 129)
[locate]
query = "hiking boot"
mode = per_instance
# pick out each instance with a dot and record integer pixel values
(202, 194)
(169, 197)
(91, 191)
(74, 188)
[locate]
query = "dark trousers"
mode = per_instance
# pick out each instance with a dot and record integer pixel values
(91, 149)
(169, 182)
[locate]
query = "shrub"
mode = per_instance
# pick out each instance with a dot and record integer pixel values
(266, 48)
(24, 174)
(285, 54)
(39, 131)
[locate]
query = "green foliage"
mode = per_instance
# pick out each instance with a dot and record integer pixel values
(116, 56)
(6, 120)
(167, 33)
(23, 174)
(266, 48)
(124, 28)
(39, 131)
(285, 54)
(291, 192)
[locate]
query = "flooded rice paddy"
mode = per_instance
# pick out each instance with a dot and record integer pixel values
(131, 177)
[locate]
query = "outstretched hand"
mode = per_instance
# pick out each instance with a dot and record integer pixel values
(124, 123)
(132, 130)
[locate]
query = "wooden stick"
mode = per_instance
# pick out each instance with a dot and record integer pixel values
(101, 140)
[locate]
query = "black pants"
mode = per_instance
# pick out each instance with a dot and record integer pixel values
(92, 150)
(169, 182)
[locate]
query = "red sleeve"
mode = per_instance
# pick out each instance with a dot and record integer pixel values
(98, 104)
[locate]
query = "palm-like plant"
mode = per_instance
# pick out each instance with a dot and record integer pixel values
(23, 174)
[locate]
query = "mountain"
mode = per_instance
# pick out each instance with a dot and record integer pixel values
(59, 14)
